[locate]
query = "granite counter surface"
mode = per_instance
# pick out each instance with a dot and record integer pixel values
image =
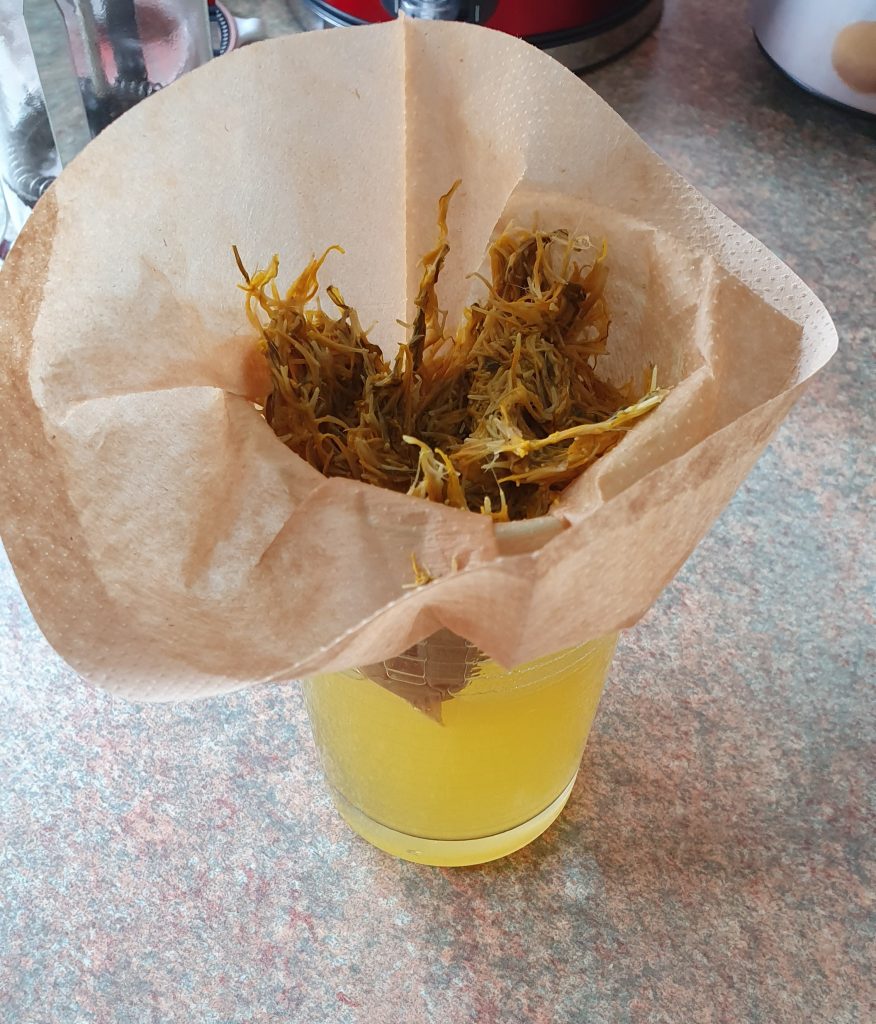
(715, 863)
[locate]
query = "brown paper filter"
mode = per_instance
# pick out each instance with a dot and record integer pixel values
(170, 546)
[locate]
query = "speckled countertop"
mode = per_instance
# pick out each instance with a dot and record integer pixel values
(715, 863)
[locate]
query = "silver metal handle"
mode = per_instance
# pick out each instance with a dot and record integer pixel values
(230, 31)
(250, 30)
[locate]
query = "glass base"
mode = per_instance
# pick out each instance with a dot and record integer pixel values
(450, 853)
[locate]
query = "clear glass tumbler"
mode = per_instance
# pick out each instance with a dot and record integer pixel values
(460, 774)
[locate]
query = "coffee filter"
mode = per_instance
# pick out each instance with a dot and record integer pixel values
(170, 546)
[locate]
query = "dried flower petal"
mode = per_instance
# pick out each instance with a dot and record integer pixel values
(501, 416)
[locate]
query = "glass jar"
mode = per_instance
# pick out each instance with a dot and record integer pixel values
(456, 774)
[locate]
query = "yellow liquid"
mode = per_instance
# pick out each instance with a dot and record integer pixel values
(479, 785)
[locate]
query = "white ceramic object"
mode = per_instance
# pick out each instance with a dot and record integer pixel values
(828, 48)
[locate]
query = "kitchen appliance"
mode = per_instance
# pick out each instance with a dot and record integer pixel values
(827, 48)
(70, 67)
(580, 33)
(80, 64)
